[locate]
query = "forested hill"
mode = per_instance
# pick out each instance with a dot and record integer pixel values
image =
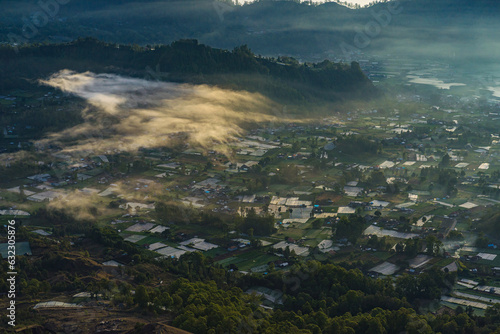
(283, 79)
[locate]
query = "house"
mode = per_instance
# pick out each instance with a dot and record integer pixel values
(199, 244)
(281, 263)
(242, 242)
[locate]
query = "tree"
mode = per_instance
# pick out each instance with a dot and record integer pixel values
(445, 161)
(377, 178)
(433, 244)
(317, 223)
(141, 296)
(412, 246)
(350, 228)
(260, 225)
(22, 195)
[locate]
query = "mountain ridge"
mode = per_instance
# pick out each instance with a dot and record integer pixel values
(271, 28)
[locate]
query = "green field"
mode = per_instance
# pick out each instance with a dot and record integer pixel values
(247, 260)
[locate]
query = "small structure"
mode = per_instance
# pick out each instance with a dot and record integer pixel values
(199, 244)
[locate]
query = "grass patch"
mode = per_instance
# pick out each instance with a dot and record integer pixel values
(382, 255)
(215, 252)
(247, 260)
(444, 262)
(149, 240)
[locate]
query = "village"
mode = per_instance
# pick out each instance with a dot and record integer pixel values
(407, 186)
(420, 183)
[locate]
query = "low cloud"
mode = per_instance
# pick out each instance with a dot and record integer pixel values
(129, 113)
(83, 206)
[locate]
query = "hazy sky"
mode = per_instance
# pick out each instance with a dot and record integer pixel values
(361, 2)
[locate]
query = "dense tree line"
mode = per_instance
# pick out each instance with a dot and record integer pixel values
(317, 298)
(254, 224)
(444, 177)
(206, 298)
(490, 224)
(358, 145)
(349, 228)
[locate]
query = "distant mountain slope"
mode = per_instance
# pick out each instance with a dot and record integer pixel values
(440, 28)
